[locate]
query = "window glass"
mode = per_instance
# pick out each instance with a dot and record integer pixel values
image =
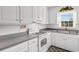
(67, 20)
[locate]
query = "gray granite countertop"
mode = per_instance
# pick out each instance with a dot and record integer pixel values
(7, 41)
(64, 31)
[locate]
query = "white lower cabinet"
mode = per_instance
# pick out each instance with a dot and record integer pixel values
(33, 48)
(58, 40)
(72, 43)
(66, 41)
(27, 46)
(33, 45)
(22, 47)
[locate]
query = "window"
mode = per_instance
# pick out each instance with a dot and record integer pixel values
(66, 19)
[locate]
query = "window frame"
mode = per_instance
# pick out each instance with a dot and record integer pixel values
(73, 12)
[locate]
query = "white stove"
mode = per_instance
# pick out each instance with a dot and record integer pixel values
(43, 42)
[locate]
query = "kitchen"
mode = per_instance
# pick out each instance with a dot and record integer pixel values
(39, 28)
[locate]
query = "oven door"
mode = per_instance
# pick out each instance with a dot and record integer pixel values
(43, 43)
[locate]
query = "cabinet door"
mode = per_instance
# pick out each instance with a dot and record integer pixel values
(45, 14)
(33, 45)
(26, 12)
(58, 40)
(10, 14)
(33, 48)
(62, 42)
(72, 44)
(40, 14)
(35, 13)
(54, 39)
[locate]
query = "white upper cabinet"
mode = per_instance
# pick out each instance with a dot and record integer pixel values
(26, 14)
(9, 14)
(15, 14)
(40, 14)
(35, 13)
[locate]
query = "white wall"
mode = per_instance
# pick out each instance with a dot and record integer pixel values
(52, 16)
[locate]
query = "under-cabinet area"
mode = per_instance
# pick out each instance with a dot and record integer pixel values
(39, 29)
